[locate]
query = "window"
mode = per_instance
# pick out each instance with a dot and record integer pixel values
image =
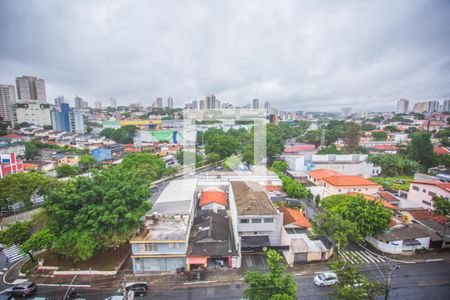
(174, 245)
(150, 247)
(243, 221)
(426, 203)
(258, 220)
(268, 220)
(431, 193)
(416, 188)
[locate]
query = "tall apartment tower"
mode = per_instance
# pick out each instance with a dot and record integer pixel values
(202, 104)
(346, 112)
(7, 99)
(195, 104)
(210, 102)
(433, 106)
(59, 100)
(67, 119)
(98, 104)
(170, 103)
(402, 106)
(255, 104)
(267, 106)
(446, 106)
(113, 103)
(31, 88)
(159, 103)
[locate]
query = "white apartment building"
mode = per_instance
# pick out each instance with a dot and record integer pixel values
(421, 193)
(33, 112)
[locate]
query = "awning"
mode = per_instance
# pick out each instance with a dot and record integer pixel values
(196, 260)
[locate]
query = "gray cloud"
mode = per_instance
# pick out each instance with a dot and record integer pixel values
(296, 54)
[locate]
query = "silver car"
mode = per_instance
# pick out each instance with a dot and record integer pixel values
(325, 278)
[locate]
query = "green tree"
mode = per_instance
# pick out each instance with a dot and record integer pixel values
(391, 128)
(442, 208)
(347, 217)
(420, 149)
(379, 135)
(16, 233)
(274, 284)
(39, 240)
(86, 162)
(317, 200)
(76, 246)
(212, 157)
(368, 127)
(122, 135)
(279, 166)
(66, 170)
(395, 165)
(21, 187)
(311, 137)
(352, 285)
(275, 141)
(31, 151)
(331, 149)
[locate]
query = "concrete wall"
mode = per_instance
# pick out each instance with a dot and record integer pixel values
(273, 230)
(397, 247)
(213, 206)
(423, 197)
(163, 248)
(365, 170)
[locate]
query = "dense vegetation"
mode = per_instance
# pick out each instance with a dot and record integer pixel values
(122, 135)
(347, 217)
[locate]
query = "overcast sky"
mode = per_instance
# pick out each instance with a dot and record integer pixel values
(302, 55)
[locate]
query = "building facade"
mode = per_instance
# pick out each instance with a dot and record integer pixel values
(31, 88)
(9, 164)
(32, 112)
(402, 106)
(7, 100)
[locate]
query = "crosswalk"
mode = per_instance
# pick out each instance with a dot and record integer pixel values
(13, 253)
(361, 257)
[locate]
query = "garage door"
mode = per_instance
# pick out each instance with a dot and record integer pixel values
(301, 257)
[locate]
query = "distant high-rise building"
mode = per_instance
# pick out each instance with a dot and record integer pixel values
(159, 103)
(255, 104)
(217, 104)
(202, 104)
(446, 106)
(267, 106)
(433, 106)
(67, 119)
(80, 103)
(113, 103)
(31, 88)
(7, 100)
(227, 105)
(420, 107)
(98, 104)
(195, 104)
(346, 112)
(32, 112)
(210, 102)
(170, 103)
(402, 106)
(59, 100)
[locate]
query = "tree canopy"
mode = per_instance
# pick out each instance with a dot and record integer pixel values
(66, 170)
(274, 284)
(122, 135)
(351, 217)
(395, 164)
(420, 149)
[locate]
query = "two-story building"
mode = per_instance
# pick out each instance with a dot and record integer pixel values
(421, 192)
(259, 223)
(161, 243)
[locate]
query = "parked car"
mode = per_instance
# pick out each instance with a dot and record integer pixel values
(325, 278)
(22, 289)
(139, 288)
(6, 297)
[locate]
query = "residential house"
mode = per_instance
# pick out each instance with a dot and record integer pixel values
(213, 199)
(421, 192)
(341, 184)
(160, 245)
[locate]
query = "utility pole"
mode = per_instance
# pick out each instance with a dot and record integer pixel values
(388, 281)
(124, 288)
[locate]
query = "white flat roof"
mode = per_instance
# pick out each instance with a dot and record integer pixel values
(178, 190)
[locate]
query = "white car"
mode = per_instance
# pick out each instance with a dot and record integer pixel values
(325, 278)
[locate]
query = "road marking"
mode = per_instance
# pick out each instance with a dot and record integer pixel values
(372, 256)
(344, 255)
(435, 259)
(200, 282)
(64, 285)
(362, 256)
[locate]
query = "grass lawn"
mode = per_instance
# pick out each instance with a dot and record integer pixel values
(388, 182)
(106, 260)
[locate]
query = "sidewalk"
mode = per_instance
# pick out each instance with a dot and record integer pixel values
(179, 281)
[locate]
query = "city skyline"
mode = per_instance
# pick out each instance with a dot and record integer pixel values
(296, 56)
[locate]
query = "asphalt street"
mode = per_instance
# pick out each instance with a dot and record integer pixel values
(412, 281)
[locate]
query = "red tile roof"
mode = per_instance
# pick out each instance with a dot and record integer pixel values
(12, 136)
(387, 196)
(298, 148)
(349, 180)
(441, 150)
(373, 198)
(322, 173)
(218, 197)
(443, 185)
(294, 216)
(425, 214)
